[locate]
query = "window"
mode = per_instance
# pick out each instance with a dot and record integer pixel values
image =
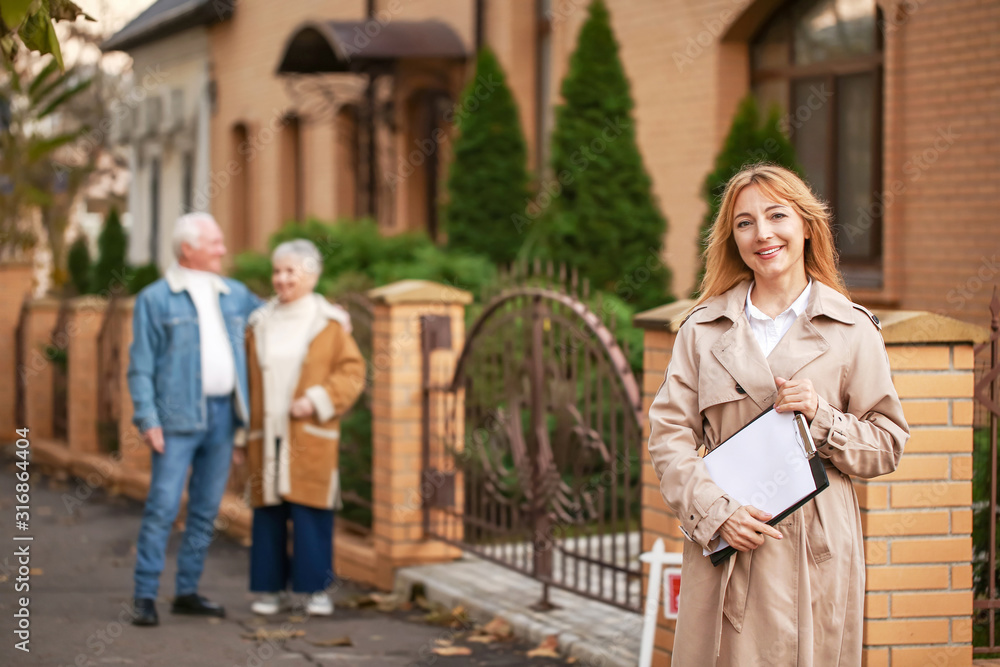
(154, 210)
(543, 83)
(176, 108)
(187, 181)
(154, 114)
(347, 154)
(240, 191)
(291, 170)
(820, 61)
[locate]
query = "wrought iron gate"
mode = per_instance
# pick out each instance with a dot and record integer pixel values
(985, 510)
(539, 469)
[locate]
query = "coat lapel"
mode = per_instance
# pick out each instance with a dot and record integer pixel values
(802, 344)
(741, 356)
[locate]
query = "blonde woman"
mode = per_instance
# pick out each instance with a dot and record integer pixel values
(773, 327)
(305, 371)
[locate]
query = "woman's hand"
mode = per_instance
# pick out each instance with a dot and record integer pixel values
(746, 528)
(796, 395)
(302, 408)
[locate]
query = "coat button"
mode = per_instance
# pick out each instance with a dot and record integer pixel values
(740, 390)
(692, 517)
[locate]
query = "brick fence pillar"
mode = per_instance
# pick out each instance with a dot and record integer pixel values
(15, 284)
(657, 519)
(917, 522)
(83, 325)
(37, 367)
(397, 418)
(133, 451)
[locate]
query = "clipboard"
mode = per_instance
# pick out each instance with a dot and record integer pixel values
(770, 463)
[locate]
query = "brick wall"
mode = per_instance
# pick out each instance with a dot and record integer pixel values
(37, 368)
(917, 521)
(82, 327)
(15, 284)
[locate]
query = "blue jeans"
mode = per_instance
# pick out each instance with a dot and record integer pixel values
(208, 454)
(310, 566)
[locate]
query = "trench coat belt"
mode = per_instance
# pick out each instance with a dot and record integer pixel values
(736, 578)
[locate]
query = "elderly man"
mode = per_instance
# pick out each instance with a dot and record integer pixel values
(188, 380)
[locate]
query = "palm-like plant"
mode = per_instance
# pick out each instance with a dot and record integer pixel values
(32, 132)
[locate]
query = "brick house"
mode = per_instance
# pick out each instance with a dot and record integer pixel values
(892, 106)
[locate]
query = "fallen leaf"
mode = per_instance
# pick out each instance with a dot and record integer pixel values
(499, 628)
(338, 641)
(452, 650)
(36, 570)
(572, 660)
(547, 649)
(443, 642)
(265, 635)
(297, 619)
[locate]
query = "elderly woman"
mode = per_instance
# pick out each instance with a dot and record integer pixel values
(305, 371)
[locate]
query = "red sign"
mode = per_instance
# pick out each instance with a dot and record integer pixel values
(671, 592)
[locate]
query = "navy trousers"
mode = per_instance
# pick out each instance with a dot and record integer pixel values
(309, 567)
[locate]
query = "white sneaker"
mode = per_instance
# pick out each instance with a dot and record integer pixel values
(268, 604)
(319, 604)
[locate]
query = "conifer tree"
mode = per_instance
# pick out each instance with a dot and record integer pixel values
(488, 178)
(78, 263)
(601, 215)
(109, 270)
(749, 141)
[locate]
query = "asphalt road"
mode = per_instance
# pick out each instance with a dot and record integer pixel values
(80, 582)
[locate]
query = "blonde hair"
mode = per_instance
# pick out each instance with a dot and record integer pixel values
(725, 268)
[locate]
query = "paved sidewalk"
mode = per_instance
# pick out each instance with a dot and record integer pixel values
(594, 632)
(81, 583)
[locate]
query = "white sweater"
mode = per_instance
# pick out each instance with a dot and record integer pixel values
(285, 348)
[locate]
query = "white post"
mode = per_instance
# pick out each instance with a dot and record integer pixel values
(656, 558)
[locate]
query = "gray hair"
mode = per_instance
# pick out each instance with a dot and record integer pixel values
(187, 229)
(308, 256)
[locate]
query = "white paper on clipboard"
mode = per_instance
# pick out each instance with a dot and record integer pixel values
(765, 464)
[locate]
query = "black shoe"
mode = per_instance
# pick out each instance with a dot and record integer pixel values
(196, 605)
(145, 612)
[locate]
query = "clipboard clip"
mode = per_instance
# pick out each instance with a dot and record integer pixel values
(804, 436)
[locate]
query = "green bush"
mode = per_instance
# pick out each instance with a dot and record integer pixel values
(488, 177)
(141, 276)
(601, 195)
(109, 273)
(750, 140)
(357, 257)
(78, 263)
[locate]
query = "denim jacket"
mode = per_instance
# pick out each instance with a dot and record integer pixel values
(164, 373)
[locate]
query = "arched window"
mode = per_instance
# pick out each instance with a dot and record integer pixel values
(292, 182)
(241, 210)
(821, 62)
(348, 158)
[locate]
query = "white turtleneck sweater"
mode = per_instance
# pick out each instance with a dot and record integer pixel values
(284, 350)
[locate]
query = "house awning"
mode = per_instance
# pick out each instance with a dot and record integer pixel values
(356, 46)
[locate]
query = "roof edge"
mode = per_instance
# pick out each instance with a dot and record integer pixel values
(188, 15)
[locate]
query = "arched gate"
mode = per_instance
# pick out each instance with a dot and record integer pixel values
(541, 470)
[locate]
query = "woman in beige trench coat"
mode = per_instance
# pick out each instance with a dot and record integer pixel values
(773, 327)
